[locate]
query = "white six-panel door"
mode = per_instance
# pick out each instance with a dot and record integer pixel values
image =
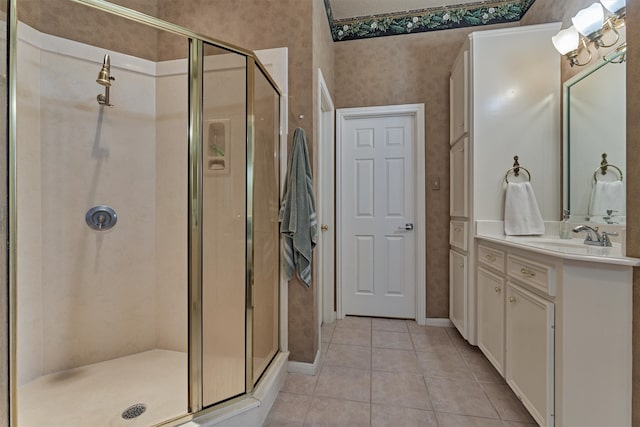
(377, 215)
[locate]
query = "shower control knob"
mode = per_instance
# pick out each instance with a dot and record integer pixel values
(101, 218)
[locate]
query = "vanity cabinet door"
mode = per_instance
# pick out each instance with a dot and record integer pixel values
(459, 97)
(459, 181)
(458, 291)
(530, 352)
(491, 299)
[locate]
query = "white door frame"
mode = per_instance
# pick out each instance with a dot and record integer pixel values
(326, 179)
(417, 111)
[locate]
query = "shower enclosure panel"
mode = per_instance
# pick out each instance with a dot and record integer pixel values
(266, 235)
(224, 226)
(175, 308)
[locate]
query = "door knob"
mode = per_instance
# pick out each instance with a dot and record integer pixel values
(408, 226)
(324, 227)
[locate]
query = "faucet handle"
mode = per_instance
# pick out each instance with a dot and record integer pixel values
(605, 237)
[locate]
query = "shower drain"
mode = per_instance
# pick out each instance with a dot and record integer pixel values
(134, 411)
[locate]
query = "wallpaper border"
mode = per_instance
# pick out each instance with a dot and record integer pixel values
(422, 20)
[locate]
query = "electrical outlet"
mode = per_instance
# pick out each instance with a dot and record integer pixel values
(435, 183)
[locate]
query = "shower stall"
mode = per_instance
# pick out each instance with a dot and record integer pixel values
(144, 188)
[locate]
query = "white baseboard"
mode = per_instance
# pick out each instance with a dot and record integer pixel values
(306, 368)
(252, 410)
(440, 322)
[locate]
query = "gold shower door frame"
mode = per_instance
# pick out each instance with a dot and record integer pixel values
(195, 136)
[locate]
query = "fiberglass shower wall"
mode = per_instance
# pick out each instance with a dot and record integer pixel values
(87, 296)
(93, 294)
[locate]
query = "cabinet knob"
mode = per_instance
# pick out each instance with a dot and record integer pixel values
(324, 227)
(498, 290)
(490, 257)
(512, 300)
(527, 272)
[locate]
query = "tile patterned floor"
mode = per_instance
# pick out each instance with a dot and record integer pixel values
(383, 372)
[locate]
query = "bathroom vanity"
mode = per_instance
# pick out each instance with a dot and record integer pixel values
(554, 317)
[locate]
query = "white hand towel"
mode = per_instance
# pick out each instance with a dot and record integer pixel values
(521, 214)
(607, 195)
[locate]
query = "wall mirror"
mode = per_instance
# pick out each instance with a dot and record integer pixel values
(595, 132)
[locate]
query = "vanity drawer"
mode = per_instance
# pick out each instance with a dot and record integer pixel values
(535, 274)
(458, 234)
(491, 258)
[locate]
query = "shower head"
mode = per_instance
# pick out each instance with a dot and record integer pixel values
(104, 77)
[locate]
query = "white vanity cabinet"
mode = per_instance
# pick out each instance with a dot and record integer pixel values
(504, 101)
(529, 343)
(458, 301)
(491, 317)
(491, 305)
(558, 328)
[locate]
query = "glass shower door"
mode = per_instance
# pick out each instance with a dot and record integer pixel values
(224, 212)
(266, 236)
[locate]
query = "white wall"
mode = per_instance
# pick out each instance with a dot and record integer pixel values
(516, 112)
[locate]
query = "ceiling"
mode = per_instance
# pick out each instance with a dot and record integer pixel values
(357, 19)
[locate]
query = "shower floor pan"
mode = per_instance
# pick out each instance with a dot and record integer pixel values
(98, 394)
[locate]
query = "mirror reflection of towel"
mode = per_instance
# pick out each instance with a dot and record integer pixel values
(607, 195)
(521, 214)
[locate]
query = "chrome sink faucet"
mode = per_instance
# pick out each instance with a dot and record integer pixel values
(593, 237)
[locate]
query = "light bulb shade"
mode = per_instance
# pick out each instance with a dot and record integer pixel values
(589, 20)
(614, 6)
(566, 40)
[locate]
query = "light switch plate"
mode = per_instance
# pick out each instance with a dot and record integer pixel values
(435, 183)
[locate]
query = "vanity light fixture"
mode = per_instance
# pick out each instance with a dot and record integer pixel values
(590, 27)
(569, 43)
(618, 9)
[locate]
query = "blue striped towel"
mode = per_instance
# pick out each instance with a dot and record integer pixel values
(298, 222)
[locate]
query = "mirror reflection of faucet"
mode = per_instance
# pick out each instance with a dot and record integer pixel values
(609, 217)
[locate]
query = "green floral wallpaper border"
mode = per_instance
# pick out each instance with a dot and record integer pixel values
(434, 19)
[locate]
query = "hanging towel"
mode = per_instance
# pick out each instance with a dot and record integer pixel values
(521, 214)
(298, 221)
(607, 195)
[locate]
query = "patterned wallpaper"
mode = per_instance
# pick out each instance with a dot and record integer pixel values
(432, 19)
(74, 21)
(405, 70)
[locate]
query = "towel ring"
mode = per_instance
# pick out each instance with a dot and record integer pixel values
(506, 176)
(604, 172)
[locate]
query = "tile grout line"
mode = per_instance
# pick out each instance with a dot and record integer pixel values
(477, 380)
(459, 350)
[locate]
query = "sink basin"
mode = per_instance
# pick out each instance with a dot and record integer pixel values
(569, 246)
